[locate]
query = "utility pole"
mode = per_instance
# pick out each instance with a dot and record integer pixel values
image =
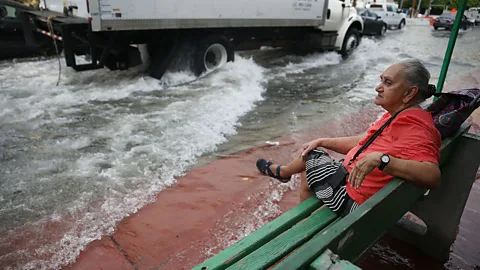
(429, 7)
(413, 8)
(419, 6)
(451, 44)
(401, 4)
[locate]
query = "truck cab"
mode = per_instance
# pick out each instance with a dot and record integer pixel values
(343, 19)
(390, 14)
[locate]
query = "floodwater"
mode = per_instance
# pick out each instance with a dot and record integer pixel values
(78, 157)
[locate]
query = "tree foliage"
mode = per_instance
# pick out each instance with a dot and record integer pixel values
(443, 3)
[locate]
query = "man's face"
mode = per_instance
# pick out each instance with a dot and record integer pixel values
(392, 88)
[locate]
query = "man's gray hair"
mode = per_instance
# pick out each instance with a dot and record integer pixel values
(417, 75)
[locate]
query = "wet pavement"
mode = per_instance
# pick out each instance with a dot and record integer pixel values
(79, 158)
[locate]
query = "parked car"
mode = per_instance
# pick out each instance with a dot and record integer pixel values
(390, 14)
(447, 19)
(372, 22)
(12, 39)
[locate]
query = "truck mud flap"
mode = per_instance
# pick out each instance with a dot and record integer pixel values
(162, 54)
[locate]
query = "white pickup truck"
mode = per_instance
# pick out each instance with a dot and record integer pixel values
(112, 31)
(390, 14)
(473, 14)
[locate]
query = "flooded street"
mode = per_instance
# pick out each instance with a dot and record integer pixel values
(78, 157)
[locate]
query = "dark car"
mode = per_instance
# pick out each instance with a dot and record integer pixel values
(447, 19)
(372, 22)
(12, 39)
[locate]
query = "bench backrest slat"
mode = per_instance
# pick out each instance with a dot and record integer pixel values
(276, 249)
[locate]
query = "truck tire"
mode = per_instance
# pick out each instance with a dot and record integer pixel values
(161, 53)
(401, 24)
(212, 52)
(350, 42)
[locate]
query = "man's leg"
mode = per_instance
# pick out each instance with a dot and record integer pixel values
(305, 192)
(296, 166)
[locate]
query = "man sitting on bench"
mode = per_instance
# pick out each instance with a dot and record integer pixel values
(403, 143)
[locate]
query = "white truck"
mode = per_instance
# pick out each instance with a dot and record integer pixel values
(118, 34)
(473, 14)
(390, 14)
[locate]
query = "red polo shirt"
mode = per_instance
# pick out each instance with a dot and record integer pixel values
(410, 136)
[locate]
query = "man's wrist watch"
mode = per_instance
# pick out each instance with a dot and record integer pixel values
(384, 160)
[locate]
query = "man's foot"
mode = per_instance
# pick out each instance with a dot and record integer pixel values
(265, 167)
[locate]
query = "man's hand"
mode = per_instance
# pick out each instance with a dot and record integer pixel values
(363, 167)
(307, 147)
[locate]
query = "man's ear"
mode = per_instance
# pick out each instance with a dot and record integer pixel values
(410, 94)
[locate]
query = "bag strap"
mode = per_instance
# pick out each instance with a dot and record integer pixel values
(374, 136)
(474, 103)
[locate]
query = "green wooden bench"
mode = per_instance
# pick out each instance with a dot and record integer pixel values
(311, 236)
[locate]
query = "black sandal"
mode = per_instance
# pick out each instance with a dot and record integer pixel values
(263, 166)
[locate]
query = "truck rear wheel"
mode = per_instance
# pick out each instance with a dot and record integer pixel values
(350, 42)
(212, 53)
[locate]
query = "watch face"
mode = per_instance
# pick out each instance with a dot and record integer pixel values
(385, 159)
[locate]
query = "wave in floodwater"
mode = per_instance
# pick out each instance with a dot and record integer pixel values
(79, 157)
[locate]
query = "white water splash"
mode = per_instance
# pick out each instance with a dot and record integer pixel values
(112, 141)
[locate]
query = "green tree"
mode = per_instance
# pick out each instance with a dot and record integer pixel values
(451, 3)
(408, 3)
(454, 3)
